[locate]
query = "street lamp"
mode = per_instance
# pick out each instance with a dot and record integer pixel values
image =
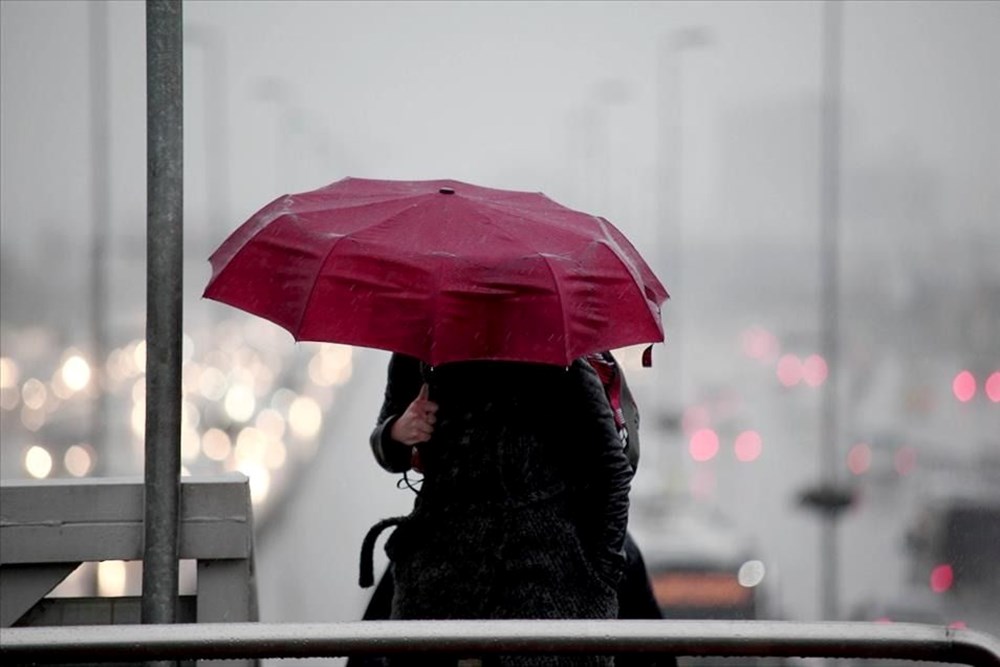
(830, 497)
(598, 172)
(670, 168)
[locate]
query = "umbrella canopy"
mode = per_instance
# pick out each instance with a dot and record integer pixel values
(442, 271)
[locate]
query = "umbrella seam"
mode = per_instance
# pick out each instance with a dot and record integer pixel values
(326, 258)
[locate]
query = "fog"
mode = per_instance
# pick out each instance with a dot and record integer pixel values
(694, 127)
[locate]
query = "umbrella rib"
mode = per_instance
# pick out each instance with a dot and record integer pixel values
(326, 258)
(636, 281)
(562, 306)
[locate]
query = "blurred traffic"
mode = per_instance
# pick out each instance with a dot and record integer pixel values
(695, 127)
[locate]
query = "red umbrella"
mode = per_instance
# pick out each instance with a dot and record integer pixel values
(442, 271)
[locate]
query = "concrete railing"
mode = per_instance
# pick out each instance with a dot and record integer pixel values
(472, 638)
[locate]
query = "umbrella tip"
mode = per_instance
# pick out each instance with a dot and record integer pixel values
(446, 191)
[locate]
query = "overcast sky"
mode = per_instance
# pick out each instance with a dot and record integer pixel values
(576, 99)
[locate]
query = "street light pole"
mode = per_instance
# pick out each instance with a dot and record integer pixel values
(670, 200)
(100, 212)
(830, 297)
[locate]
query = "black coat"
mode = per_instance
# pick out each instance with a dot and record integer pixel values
(523, 506)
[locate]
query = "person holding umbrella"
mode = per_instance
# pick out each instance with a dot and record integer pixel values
(523, 505)
(395, 442)
(492, 299)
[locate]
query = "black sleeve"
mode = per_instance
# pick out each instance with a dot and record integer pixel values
(606, 472)
(402, 386)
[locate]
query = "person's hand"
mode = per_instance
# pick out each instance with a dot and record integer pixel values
(416, 424)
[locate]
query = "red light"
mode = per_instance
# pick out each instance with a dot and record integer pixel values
(883, 619)
(942, 577)
(905, 460)
(964, 386)
(859, 458)
(758, 343)
(789, 370)
(993, 386)
(747, 446)
(958, 625)
(814, 370)
(704, 445)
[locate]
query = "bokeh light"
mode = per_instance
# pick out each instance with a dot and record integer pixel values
(751, 573)
(78, 460)
(759, 343)
(704, 444)
(748, 446)
(305, 417)
(789, 370)
(75, 373)
(992, 386)
(111, 578)
(814, 370)
(216, 445)
(9, 373)
(34, 393)
(859, 458)
(964, 386)
(240, 402)
(942, 577)
(38, 462)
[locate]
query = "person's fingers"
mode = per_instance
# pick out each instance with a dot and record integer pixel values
(424, 392)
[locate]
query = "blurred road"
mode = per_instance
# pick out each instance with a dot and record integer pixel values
(307, 558)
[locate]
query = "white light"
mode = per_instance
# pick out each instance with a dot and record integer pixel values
(305, 417)
(216, 444)
(751, 573)
(138, 419)
(78, 460)
(260, 480)
(240, 403)
(187, 348)
(139, 356)
(190, 414)
(139, 391)
(32, 419)
(271, 423)
(251, 445)
(331, 365)
(275, 455)
(111, 578)
(38, 462)
(9, 373)
(212, 384)
(190, 444)
(33, 393)
(76, 372)
(9, 397)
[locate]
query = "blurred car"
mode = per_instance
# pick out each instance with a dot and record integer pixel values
(701, 566)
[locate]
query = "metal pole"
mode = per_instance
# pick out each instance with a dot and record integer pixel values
(829, 294)
(164, 258)
(100, 197)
